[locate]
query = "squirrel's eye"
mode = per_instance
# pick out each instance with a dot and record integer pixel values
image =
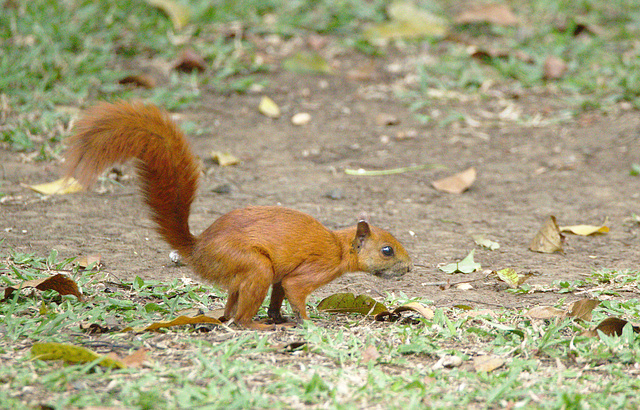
(387, 251)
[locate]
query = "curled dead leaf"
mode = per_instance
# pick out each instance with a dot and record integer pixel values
(179, 321)
(548, 239)
(58, 187)
(582, 309)
(487, 363)
(585, 230)
(426, 312)
(59, 282)
(458, 183)
(190, 61)
(611, 326)
(140, 80)
(498, 14)
(224, 159)
(545, 312)
(554, 68)
(370, 353)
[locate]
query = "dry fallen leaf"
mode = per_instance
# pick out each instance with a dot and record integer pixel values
(301, 118)
(136, 358)
(85, 260)
(488, 53)
(190, 61)
(548, 239)
(585, 230)
(180, 321)
(610, 326)
(386, 119)
(140, 80)
(486, 243)
(60, 283)
(370, 353)
(554, 68)
(224, 158)
(499, 14)
(268, 107)
(415, 307)
(582, 309)
(458, 183)
(511, 277)
(58, 187)
(307, 63)
(487, 363)
(178, 13)
(545, 312)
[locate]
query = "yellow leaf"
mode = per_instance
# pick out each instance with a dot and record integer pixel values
(178, 13)
(71, 353)
(224, 158)
(407, 21)
(307, 63)
(269, 108)
(548, 239)
(58, 187)
(487, 363)
(585, 230)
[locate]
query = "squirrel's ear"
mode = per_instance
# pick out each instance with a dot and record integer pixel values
(362, 234)
(363, 217)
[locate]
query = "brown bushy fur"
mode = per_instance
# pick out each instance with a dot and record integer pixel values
(247, 250)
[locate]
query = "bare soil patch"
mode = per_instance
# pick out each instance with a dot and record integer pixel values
(530, 165)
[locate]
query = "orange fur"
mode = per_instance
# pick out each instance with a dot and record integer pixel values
(245, 251)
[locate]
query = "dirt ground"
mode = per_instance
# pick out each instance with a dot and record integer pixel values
(530, 166)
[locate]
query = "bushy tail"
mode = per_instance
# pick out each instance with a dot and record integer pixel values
(168, 171)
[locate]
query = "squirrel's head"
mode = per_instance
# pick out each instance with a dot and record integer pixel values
(379, 252)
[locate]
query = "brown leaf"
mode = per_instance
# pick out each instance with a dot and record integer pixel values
(610, 326)
(140, 80)
(545, 312)
(487, 363)
(179, 321)
(190, 61)
(582, 309)
(136, 358)
(386, 119)
(488, 52)
(458, 183)
(85, 260)
(370, 353)
(548, 239)
(60, 283)
(499, 14)
(415, 307)
(554, 68)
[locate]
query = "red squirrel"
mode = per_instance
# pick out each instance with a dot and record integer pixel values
(246, 250)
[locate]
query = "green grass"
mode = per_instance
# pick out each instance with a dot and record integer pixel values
(547, 363)
(602, 64)
(69, 54)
